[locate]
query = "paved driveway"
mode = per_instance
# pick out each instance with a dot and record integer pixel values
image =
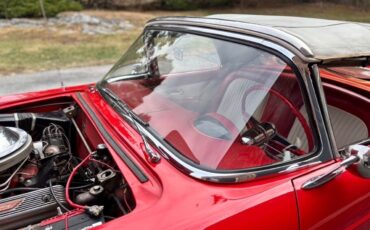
(51, 79)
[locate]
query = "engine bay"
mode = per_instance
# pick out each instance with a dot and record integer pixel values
(54, 176)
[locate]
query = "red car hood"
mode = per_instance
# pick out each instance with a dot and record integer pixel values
(35, 96)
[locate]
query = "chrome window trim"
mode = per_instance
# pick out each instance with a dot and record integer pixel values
(322, 154)
(325, 113)
(286, 40)
(224, 177)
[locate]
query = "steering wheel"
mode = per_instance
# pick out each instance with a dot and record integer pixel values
(217, 126)
(287, 102)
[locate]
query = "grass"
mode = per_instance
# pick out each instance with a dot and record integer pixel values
(29, 50)
(37, 50)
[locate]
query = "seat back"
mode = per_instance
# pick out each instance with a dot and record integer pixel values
(347, 128)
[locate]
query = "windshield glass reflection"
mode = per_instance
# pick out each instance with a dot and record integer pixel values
(220, 104)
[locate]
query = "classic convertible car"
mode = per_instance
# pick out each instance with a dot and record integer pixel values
(222, 122)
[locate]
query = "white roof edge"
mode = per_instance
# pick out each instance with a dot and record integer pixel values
(326, 39)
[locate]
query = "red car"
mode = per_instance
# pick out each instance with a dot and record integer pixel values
(223, 122)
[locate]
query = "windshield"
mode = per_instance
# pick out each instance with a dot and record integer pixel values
(219, 104)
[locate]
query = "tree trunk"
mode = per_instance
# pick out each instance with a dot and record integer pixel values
(43, 9)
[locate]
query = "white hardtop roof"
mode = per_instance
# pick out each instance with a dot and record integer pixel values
(327, 39)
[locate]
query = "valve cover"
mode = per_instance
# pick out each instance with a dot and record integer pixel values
(31, 207)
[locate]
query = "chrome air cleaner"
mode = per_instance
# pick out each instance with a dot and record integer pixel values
(15, 146)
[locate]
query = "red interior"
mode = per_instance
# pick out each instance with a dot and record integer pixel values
(175, 122)
(173, 119)
(354, 101)
(346, 100)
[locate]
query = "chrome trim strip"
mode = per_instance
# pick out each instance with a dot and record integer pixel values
(294, 167)
(318, 119)
(226, 177)
(324, 110)
(287, 40)
(232, 35)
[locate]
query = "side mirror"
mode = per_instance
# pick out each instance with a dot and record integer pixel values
(363, 154)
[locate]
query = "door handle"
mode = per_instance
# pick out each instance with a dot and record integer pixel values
(326, 177)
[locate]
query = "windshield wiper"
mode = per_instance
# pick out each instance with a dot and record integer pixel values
(138, 123)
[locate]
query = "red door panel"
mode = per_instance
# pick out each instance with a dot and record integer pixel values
(277, 210)
(342, 203)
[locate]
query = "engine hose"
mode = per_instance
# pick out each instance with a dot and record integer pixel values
(68, 184)
(56, 199)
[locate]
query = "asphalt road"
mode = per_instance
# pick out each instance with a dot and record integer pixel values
(51, 79)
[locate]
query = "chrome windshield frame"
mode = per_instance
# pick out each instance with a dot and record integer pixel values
(322, 153)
